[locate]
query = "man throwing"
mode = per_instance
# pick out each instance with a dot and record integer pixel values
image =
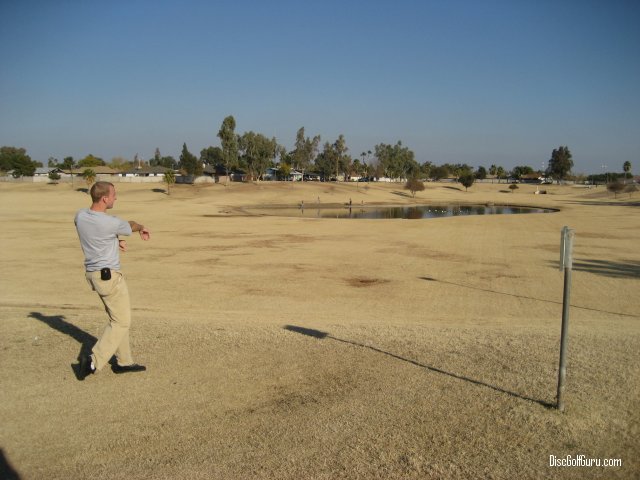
(98, 233)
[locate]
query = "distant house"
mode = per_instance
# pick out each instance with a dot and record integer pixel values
(238, 175)
(218, 172)
(532, 178)
(102, 173)
(144, 171)
(271, 174)
(45, 171)
(210, 170)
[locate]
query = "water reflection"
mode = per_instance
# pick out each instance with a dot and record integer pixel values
(413, 213)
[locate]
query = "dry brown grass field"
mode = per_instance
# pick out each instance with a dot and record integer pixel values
(307, 348)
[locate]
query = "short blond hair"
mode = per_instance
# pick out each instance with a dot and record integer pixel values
(99, 190)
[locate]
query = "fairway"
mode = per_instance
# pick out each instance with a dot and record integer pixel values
(317, 348)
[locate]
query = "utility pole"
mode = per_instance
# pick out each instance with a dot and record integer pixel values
(566, 263)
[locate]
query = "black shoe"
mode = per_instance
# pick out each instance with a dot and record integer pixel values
(128, 368)
(85, 367)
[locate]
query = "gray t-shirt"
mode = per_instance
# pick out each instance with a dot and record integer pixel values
(98, 233)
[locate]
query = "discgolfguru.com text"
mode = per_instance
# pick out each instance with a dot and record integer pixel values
(583, 461)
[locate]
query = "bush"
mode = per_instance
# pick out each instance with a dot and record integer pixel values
(616, 188)
(414, 185)
(54, 176)
(466, 180)
(513, 187)
(169, 179)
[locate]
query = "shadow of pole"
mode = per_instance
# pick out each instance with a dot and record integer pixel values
(629, 269)
(322, 335)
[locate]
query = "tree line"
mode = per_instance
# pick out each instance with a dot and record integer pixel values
(254, 153)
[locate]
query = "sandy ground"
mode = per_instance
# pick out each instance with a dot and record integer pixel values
(288, 348)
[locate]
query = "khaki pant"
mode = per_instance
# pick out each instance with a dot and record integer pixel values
(115, 337)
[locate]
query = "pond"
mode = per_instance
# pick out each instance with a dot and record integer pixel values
(413, 212)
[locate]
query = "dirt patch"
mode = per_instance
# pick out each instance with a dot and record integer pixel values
(366, 282)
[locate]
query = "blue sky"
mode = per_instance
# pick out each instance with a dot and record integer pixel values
(478, 82)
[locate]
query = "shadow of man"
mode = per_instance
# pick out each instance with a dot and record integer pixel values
(7, 472)
(58, 322)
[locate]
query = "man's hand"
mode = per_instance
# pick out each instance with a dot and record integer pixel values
(145, 234)
(122, 245)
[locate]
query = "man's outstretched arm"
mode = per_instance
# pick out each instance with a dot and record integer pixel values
(145, 234)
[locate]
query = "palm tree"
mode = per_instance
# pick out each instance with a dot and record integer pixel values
(492, 171)
(89, 176)
(169, 179)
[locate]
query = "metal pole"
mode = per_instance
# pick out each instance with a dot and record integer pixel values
(566, 261)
